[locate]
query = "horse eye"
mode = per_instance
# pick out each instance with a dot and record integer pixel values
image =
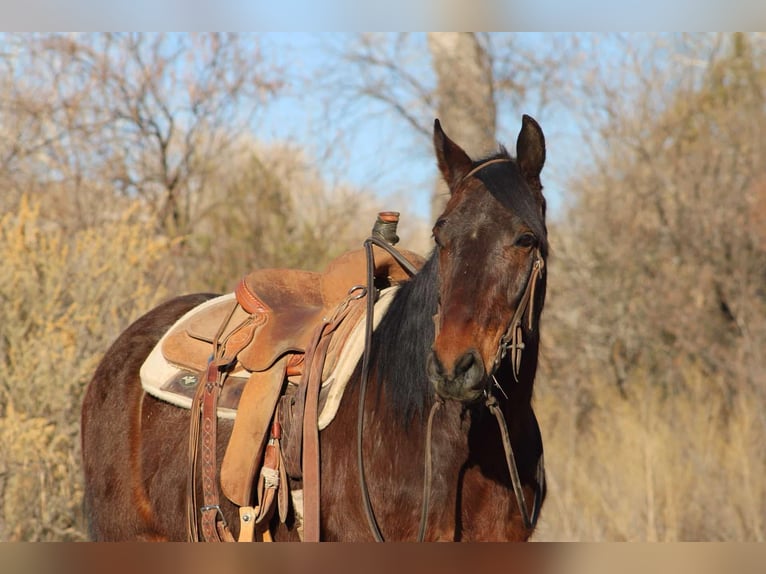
(435, 232)
(526, 240)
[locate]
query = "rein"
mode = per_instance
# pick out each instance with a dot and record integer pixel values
(510, 460)
(512, 340)
(371, 296)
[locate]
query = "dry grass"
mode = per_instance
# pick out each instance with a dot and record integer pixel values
(65, 297)
(653, 467)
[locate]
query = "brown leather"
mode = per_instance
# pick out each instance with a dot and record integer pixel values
(212, 529)
(284, 492)
(291, 308)
(342, 331)
(281, 289)
(190, 343)
(310, 459)
(246, 524)
(312, 381)
(248, 437)
(204, 424)
(297, 301)
(351, 269)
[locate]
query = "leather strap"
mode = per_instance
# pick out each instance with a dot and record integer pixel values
(314, 365)
(310, 458)
(212, 530)
(370, 305)
(485, 164)
(204, 425)
(529, 519)
(257, 518)
(246, 524)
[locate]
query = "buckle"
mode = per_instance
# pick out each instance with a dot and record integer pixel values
(362, 292)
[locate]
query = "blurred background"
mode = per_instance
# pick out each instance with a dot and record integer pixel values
(135, 167)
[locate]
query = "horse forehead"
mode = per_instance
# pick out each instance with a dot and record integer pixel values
(508, 188)
(479, 210)
(504, 182)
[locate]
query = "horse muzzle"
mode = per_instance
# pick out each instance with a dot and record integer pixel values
(463, 381)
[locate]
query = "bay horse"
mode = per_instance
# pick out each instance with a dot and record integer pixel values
(462, 333)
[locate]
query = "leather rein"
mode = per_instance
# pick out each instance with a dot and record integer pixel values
(511, 341)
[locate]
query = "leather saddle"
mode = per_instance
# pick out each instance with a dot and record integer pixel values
(267, 331)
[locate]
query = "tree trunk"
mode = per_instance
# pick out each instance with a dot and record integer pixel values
(466, 103)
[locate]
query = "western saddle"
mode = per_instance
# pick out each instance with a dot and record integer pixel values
(284, 325)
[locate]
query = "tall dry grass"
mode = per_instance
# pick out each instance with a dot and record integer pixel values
(653, 466)
(64, 296)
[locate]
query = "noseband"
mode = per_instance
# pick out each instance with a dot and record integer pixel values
(513, 338)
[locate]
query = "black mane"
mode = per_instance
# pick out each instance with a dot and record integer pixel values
(402, 342)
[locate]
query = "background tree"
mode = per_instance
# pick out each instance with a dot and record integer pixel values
(465, 92)
(472, 82)
(665, 224)
(654, 370)
(96, 119)
(269, 206)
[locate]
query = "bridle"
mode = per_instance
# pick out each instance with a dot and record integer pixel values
(511, 341)
(513, 338)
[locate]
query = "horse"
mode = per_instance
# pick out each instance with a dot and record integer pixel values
(448, 380)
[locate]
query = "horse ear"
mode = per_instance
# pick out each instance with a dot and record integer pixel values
(530, 150)
(453, 162)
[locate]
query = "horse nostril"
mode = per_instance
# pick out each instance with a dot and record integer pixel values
(465, 363)
(462, 381)
(434, 367)
(469, 370)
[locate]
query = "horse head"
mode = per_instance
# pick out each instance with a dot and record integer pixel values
(491, 243)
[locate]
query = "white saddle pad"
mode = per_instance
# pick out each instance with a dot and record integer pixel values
(157, 372)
